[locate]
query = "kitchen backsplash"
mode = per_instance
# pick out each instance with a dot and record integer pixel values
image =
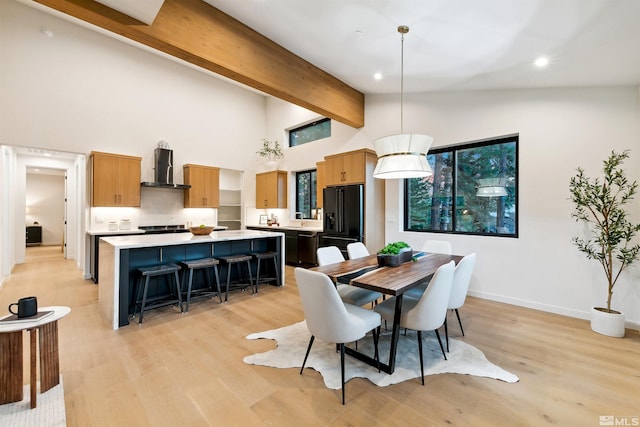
(159, 206)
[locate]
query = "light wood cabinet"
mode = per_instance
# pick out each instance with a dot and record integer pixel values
(271, 190)
(348, 168)
(205, 186)
(320, 182)
(115, 180)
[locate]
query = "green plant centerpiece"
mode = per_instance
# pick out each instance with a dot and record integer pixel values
(394, 254)
(600, 203)
(271, 150)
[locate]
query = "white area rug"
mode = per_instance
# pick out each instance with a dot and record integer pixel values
(292, 342)
(49, 410)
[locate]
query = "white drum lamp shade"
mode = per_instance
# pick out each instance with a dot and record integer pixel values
(402, 156)
(492, 187)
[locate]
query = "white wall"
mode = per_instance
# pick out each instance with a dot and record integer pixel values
(560, 129)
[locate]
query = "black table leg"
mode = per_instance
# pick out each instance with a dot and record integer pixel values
(395, 334)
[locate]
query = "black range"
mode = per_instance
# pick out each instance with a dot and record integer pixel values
(163, 229)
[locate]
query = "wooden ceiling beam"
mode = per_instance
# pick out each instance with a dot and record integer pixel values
(198, 33)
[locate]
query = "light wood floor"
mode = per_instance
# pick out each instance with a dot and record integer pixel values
(187, 370)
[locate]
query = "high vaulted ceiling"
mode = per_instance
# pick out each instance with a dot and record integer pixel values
(455, 44)
(451, 45)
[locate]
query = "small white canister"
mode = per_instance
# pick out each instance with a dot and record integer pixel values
(125, 224)
(112, 226)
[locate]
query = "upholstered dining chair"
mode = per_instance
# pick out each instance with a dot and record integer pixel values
(434, 247)
(437, 247)
(349, 294)
(427, 313)
(329, 319)
(357, 250)
(459, 289)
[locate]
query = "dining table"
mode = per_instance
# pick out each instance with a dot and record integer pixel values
(394, 281)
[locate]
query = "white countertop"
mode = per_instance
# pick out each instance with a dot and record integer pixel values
(170, 239)
(114, 232)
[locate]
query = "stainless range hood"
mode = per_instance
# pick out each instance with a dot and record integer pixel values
(163, 171)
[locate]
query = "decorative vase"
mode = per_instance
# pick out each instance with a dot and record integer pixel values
(605, 323)
(268, 165)
(387, 260)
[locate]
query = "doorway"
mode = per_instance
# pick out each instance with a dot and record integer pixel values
(13, 170)
(45, 210)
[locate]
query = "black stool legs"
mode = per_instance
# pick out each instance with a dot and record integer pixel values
(146, 273)
(266, 256)
(237, 260)
(204, 263)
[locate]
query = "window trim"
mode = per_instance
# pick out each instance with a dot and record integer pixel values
(459, 147)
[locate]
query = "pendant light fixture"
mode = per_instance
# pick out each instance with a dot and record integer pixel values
(402, 155)
(492, 187)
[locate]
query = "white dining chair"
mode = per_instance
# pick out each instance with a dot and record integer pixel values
(437, 247)
(349, 294)
(434, 247)
(331, 320)
(357, 250)
(329, 255)
(427, 313)
(459, 289)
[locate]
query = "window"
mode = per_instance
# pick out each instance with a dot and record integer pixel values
(306, 193)
(473, 190)
(310, 132)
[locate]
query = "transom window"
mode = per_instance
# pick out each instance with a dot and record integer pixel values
(310, 132)
(473, 190)
(306, 185)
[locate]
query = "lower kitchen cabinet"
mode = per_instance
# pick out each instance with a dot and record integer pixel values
(307, 248)
(291, 247)
(300, 246)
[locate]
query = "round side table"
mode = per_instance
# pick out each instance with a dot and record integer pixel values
(11, 331)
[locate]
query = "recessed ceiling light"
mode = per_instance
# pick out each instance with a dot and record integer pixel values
(541, 62)
(46, 32)
(377, 76)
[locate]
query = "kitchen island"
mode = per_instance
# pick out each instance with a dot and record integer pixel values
(121, 256)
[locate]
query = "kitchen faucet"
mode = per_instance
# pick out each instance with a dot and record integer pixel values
(300, 216)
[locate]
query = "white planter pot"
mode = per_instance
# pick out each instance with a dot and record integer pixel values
(610, 324)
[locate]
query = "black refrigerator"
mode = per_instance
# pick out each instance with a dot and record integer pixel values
(343, 216)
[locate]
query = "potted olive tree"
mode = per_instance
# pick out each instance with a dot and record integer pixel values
(600, 203)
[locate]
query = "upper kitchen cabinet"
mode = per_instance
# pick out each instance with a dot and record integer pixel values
(320, 182)
(348, 168)
(115, 180)
(205, 186)
(271, 190)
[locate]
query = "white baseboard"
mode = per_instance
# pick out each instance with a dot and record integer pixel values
(585, 315)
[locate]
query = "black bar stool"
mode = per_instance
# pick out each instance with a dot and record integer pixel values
(170, 298)
(204, 263)
(259, 256)
(237, 260)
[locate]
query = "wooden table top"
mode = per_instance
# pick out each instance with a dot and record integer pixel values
(388, 280)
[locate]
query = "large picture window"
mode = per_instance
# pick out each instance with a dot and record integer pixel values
(473, 190)
(306, 184)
